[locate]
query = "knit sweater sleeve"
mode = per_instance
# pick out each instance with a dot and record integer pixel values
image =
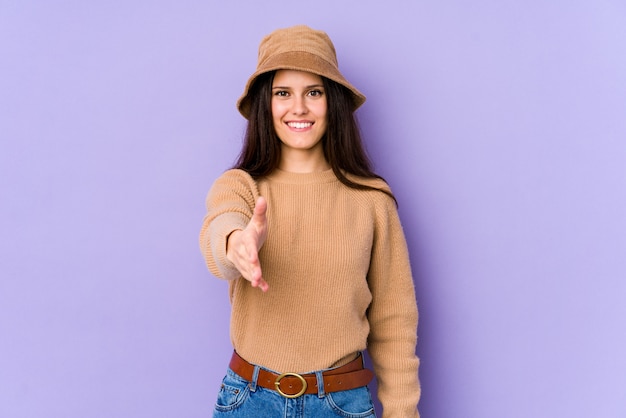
(230, 204)
(393, 317)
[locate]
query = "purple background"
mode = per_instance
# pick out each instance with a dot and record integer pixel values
(500, 125)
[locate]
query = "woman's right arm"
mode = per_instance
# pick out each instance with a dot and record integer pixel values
(234, 228)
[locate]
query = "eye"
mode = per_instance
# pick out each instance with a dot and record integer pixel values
(281, 93)
(316, 93)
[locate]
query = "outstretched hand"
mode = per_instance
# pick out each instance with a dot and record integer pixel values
(243, 246)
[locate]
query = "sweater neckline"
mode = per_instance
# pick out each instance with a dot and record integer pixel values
(281, 176)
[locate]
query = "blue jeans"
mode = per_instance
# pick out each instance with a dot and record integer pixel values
(239, 398)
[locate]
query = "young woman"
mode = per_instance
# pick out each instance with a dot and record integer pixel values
(310, 241)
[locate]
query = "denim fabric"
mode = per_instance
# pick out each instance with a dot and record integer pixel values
(239, 398)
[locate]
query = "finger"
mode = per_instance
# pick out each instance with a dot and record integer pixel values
(261, 284)
(261, 206)
(260, 209)
(264, 286)
(251, 271)
(252, 254)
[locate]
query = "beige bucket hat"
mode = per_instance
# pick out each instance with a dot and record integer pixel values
(298, 48)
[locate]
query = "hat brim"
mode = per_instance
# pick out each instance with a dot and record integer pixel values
(298, 61)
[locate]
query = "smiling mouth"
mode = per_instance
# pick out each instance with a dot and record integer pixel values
(299, 125)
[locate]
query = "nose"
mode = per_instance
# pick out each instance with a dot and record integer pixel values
(299, 106)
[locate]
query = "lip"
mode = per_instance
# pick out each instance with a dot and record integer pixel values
(299, 125)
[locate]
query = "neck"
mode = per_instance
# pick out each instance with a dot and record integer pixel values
(303, 162)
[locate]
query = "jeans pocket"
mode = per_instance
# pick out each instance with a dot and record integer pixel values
(353, 403)
(233, 393)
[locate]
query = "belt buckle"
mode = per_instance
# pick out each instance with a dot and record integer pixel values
(302, 380)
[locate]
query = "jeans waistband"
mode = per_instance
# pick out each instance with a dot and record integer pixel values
(293, 385)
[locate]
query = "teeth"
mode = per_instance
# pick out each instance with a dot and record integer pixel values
(300, 125)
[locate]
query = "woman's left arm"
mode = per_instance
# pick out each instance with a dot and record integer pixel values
(393, 316)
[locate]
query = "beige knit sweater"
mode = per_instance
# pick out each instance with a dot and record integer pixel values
(340, 281)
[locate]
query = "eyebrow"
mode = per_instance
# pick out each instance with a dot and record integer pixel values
(307, 87)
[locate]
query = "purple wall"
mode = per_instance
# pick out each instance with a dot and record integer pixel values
(500, 126)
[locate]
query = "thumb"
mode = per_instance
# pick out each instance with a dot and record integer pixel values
(259, 221)
(259, 210)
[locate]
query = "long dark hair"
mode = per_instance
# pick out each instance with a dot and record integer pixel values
(342, 144)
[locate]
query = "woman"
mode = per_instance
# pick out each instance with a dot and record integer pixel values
(311, 243)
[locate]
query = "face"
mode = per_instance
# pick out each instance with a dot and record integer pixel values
(299, 110)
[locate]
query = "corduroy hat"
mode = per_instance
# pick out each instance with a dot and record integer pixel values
(298, 48)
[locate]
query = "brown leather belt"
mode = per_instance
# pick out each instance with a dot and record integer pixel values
(293, 385)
